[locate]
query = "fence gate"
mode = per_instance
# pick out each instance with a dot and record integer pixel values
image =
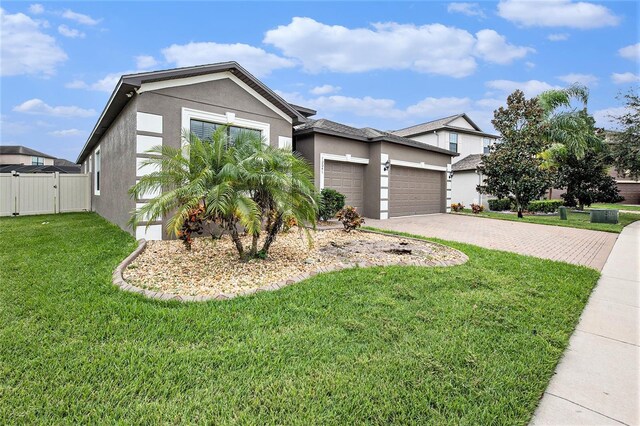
(44, 193)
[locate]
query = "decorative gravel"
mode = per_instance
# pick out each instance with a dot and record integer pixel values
(212, 266)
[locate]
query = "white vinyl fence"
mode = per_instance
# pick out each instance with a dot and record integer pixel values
(42, 193)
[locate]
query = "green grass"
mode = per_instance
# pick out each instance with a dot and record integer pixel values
(629, 207)
(574, 220)
(471, 344)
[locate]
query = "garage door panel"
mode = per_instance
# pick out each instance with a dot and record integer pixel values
(348, 179)
(415, 191)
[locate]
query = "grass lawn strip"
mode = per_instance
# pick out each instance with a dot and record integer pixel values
(469, 344)
(622, 207)
(212, 267)
(574, 220)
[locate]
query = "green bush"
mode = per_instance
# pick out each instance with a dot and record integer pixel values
(331, 201)
(500, 204)
(544, 206)
(350, 218)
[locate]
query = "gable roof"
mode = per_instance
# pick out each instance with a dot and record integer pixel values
(21, 150)
(129, 83)
(365, 134)
(442, 123)
(470, 162)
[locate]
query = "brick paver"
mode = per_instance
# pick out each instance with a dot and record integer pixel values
(572, 245)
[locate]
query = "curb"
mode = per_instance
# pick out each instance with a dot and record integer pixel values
(119, 281)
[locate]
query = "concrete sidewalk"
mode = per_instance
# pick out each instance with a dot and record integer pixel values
(597, 381)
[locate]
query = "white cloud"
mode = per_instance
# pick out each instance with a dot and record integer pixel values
(325, 89)
(39, 107)
(604, 117)
(469, 9)
(66, 133)
(76, 84)
(631, 52)
(105, 84)
(80, 18)
(530, 88)
(36, 9)
(557, 13)
(558, 37)
(626, 77)
(144, 62)
(438, 107)
(434, 49)
(70, 32)
(493, 47)
(530, 64)
(586, 79)
(256, 60)
(25, 49)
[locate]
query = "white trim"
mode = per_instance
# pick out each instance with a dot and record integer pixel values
(152, 233)
(97, 157)
(147, 169)
(422, 165)
(285, 142)
(384, 206)
(177, 82)
(148, 195)
(90, 165)
(146, 217)
(212, 117)
(384, 193)
(147, 122)
(145, 143)
(384, 215)
(335, 157)
(384, 182)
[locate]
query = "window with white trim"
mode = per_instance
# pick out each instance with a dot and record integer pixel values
(486, 145)
(205, 130)
(453, 142)
(98, 160)
(37, 161)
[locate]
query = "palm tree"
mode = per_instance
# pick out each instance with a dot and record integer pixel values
(241, 182)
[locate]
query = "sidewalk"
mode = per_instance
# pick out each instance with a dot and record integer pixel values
(598, 379)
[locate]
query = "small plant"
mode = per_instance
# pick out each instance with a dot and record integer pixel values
(331, 201)
(193, 224)
(477, 208)
(500, 204)
(457, 207)
(544, 206)
(350, 218)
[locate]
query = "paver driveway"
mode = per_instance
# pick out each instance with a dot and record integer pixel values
(579, 246)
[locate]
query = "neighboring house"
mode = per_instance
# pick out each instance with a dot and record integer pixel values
(460, 134)
(381, 173)
(457, 133)
(629, 188)
(16, 158)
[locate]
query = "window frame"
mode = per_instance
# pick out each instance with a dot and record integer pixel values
(97, 158)
(456, 143)
(486, 145)
(39, 161)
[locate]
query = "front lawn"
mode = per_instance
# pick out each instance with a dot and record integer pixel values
(629, 207)
(574, 220)
(471, 344)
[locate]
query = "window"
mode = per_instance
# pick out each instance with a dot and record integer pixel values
(37, 161)
(205, 130)
(486, 145)
(98, 158)
(453, 142)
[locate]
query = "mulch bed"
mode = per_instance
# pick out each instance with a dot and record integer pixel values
(212, 267)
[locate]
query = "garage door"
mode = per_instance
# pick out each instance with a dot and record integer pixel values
(415, 191)
(348, 179)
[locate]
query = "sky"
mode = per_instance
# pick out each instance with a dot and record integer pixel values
(386, 65)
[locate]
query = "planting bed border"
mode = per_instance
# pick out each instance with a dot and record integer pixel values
(120, 282)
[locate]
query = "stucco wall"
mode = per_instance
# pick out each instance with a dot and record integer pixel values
(118, 169)
(463, 189)
(22, 159)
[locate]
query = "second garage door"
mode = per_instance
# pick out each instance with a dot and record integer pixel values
(415, 191)
(348, 179)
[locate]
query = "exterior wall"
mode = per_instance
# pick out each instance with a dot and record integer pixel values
(461, 122)
(304, 146)
(467, 144)
(630, 191)
(118, 169)
(372, 176)
(463, 189)
(22, 159)
(325, 144)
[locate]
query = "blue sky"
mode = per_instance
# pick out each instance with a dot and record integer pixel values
(386, 65)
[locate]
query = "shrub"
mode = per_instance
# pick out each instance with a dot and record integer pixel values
(457, 207)
(477, 208)
(331, 201)
(193, 224)
(544, 206)
(350, 218)
(500, 204)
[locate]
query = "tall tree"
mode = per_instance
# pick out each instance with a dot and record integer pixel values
(513, 168)
(626, 146)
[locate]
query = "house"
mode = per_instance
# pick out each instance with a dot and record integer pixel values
(17, 158)
(381, 173)
(460, 134)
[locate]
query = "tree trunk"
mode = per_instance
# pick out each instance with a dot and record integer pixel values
(271, 236)
(520, 212)
(236, 240)
(254, 245)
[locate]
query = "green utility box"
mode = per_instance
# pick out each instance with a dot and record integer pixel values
(603, 216)
(563, 212)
